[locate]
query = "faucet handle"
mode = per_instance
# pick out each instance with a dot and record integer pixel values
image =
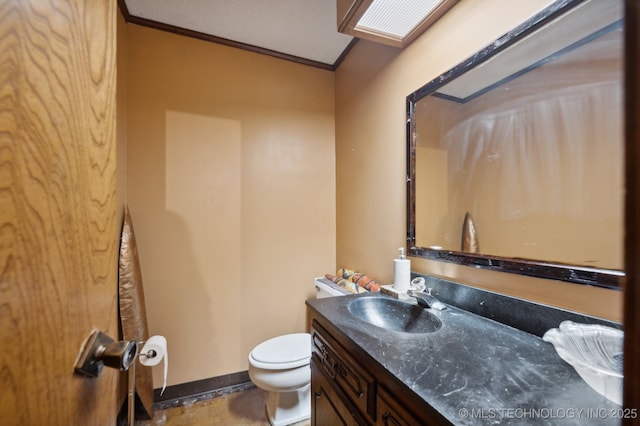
(412, 292)
(418, 284)
(417, 293)
(426, 300)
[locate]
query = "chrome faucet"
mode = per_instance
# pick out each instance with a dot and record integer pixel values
(426, 300)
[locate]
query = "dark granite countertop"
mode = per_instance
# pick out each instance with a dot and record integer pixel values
(474, 370)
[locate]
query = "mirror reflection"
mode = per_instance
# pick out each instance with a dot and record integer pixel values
(521, 155)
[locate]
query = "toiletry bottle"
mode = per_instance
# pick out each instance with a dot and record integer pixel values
(402, 272)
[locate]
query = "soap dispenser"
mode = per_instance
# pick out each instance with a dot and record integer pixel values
(402, 272)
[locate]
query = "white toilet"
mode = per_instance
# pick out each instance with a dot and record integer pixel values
(280, 366)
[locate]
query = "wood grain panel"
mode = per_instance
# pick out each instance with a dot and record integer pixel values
(58, 230)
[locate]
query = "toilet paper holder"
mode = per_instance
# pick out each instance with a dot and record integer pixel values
(99, 350)
(149, 354)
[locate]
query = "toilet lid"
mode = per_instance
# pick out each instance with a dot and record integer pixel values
(283, 349)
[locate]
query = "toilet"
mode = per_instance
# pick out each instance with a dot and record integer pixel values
(280, 366)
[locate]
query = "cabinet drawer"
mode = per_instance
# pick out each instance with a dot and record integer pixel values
(355, 383)
(390, 413)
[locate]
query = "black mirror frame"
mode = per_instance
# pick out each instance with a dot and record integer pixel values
(607, 278)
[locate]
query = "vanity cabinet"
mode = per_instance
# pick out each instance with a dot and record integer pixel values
(473, 370)
(349, 388)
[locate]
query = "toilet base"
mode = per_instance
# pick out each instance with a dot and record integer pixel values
(285, 408)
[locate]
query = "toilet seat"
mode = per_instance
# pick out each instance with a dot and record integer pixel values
(282, 352)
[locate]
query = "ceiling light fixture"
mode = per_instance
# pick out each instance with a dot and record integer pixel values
(392, 22)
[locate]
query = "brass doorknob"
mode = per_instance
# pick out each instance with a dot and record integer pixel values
(100, 350)
(119, 355)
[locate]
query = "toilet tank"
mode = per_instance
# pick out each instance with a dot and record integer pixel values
(326, 288)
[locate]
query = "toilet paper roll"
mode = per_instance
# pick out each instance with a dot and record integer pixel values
(154, 351)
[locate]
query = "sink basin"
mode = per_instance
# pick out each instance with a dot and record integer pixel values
(595, 352)
(394, 315)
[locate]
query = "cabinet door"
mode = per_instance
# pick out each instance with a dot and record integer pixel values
(327, 409)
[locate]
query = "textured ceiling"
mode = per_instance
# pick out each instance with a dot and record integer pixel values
(297, 28)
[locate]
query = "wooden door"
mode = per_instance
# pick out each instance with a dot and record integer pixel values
(59, 228)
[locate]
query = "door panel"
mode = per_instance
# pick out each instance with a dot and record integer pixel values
(59, 230)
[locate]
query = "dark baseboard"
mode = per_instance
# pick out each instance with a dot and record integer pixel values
(177, 395)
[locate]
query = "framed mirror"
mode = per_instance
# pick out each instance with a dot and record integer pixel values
(515, 158)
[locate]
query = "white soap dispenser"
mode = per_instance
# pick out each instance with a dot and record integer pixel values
(402, 272)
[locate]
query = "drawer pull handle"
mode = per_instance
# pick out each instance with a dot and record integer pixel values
(329, 365)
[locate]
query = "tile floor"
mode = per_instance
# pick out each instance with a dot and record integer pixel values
(244, 408)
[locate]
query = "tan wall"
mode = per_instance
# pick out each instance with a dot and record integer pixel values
(371, 87)
(231, 187)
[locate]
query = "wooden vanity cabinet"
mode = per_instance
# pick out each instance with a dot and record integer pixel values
(348, 388)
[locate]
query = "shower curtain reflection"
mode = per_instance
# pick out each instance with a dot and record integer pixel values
(541, 172)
